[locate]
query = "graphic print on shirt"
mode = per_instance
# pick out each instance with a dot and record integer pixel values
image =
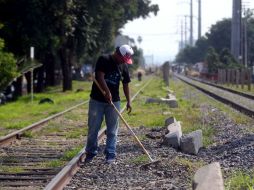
(113, 78)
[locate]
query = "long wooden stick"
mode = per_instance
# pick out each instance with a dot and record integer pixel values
(126, 124)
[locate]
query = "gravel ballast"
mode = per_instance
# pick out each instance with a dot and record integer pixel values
(233, 148)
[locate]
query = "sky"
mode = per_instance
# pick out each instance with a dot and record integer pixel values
(161, 34)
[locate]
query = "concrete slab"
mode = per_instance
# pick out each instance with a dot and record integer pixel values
(192, 142)
(174, 135)
(208, 177)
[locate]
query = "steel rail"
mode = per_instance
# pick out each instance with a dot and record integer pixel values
(65, 175)
(225, 88)
(17, 134)
(236, 106)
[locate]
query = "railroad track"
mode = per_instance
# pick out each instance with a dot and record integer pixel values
(236, 100)
(250, 96)
(65, 175)
(36, 158)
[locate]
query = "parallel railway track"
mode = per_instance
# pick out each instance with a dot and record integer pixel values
(243, 103)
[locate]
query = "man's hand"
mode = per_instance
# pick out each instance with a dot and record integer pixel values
(108, 97)
(128, 107)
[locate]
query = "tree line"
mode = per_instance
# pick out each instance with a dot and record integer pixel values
(65, 33)
(214, 47)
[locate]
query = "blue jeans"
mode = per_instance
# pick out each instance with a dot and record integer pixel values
(96, 112)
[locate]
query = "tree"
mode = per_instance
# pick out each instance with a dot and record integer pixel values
(228, 60)
(8, 69)
(212, 59)
(219, 36)
(69, 31)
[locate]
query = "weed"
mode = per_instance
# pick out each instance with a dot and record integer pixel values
(240, 180)
(27, 134)
(11, 169)
(142, 159)
(54, 163)
(71, 153)
(192, 166)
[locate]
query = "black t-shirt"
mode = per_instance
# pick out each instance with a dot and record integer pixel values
(114, 73)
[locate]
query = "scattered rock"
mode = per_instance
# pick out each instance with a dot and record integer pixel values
(169, 121)
(154, 135)
(171, 102)
(152, 100)
(174, 135)
(192, 142)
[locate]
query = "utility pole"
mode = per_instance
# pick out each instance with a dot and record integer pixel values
(236, 30)
(245, 50)
(245, 34)
(182, 43)
(199, 19)
(185, 30)
(191, 23)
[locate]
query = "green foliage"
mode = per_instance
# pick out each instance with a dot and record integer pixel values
(228, 60)
(8, 69)
(71, 31)
(212, 59)
(218, 38)
(219, 35)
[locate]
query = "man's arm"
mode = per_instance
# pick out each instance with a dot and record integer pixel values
(104, 86)
(126, 91)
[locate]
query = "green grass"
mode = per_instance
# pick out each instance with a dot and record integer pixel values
(240, 180)
(71, 153)
(78, 133)
(11, 169)
(21, 113)
(192, 166)
(53, 164)
(68, 155)
(28, 134)
(52, 127)
(142, 159)
(154, 115)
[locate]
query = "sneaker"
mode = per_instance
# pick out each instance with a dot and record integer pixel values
(89, 158)
(110, 158)
(111, 161)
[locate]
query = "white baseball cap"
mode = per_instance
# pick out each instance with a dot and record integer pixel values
(126, 52)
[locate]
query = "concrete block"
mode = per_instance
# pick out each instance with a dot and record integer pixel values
(152, 100)
(169, 121)
(208, 177)
(171, 102)
(170, 96)
(173, 137)
(192, 142)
